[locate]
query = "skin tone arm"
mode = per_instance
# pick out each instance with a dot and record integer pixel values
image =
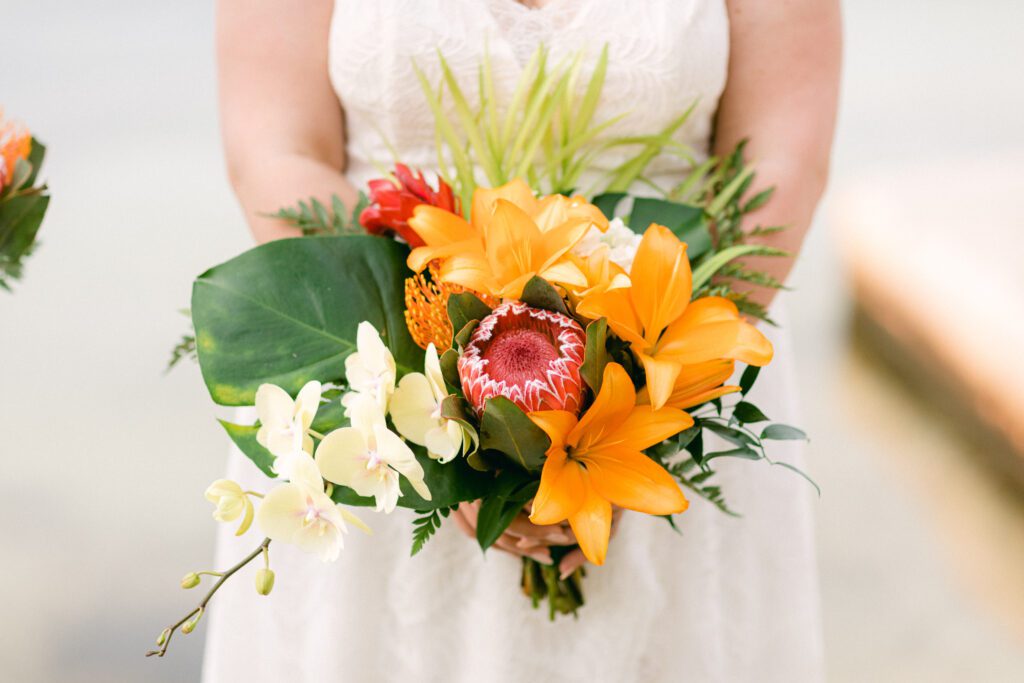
(782, 94)
(281, 121)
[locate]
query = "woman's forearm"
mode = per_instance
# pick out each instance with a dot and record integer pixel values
(782, 96)
(265, 185)
(281, 122)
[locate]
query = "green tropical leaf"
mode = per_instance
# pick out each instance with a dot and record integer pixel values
(464, 308)
(244, 437)
(703, 273)
(287, 312)
(608, 202)
(505, 427)
(539, 293)
(748, 413)
(595, 356)
(781, 432)
(512, 490)
(748, 378)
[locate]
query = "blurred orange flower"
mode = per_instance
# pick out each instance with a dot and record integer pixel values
(15, 144)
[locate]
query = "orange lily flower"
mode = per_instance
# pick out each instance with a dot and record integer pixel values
(698, 384)
(512, 236)
(665, 329)
(596, 461)
(601, 272)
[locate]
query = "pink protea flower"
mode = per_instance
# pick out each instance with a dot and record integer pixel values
(530, 356)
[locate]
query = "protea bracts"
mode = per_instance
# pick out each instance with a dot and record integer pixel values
(392, 205)
(528, 355)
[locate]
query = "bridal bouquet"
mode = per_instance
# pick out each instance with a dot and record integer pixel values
(23, 202)
(450, 342)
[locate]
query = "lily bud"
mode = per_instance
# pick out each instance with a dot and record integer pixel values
(264, 581)
(190, 580)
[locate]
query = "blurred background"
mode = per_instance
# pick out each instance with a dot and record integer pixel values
(906, 311)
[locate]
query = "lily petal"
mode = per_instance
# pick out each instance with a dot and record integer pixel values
(661, 377)
(561, 492)
(611, 407)
(631, 480)
(661, 278)
(592, 524)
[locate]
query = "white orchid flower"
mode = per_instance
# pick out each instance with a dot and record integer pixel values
(416, 412)
(371, 369)
(300, 513)
(368, 457)
(284, 423)
(232, 502)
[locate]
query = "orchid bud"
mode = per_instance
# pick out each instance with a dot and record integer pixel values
(190, 580)
(264, 581)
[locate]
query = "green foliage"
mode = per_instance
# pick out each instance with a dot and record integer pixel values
(539, 293)
(287, 312)
(512, 490)
(314, 218)
(505, 428)
(781, 432)
(464, 308)
(244, 437)
(686, 221)
(595, 356)
(22, 208)
(185, 348)
(545, 132)
(426, 525)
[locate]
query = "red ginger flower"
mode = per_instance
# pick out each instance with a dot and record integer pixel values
(530, 356)
(392, 205)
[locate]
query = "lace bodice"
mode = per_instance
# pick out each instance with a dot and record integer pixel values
(664, 56)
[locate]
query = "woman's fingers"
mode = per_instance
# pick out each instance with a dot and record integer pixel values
(571, 562)
(551, 534)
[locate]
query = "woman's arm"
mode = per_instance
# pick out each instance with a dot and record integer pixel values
(782, 94)
(282, 123)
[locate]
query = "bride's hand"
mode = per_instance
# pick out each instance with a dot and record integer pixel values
(523, 538)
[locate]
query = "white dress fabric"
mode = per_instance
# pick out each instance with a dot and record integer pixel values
(728, 599)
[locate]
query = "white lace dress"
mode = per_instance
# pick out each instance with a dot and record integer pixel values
(731, 599)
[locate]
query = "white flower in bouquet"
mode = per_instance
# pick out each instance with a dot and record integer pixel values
(371, 369)
(231, 502)
(416, 412)
(301, 514)
(368, 457)
(620, 240)
(284, 423)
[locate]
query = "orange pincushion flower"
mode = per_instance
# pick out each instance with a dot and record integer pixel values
(426, 308)
(15, 145)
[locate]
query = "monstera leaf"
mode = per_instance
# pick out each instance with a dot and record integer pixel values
(287, 312)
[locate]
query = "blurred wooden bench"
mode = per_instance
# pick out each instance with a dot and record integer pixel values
(936, 258)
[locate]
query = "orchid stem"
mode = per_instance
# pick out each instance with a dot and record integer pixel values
(169, 632)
